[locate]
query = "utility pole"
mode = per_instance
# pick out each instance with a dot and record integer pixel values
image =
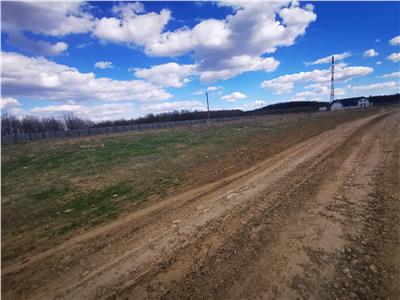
(333, 80)
(208, 108)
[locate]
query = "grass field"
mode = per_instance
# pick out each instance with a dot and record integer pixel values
(54, 189)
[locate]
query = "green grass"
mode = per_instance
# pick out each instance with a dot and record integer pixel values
(100, 202)
(112, 151)
(49, 193)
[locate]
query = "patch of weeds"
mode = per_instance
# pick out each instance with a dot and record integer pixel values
(162, 185)
(50, 193)
(31, 165)
(7, 254)
(66, 228)
(93, 207)
(158, 187)
(100, 202)
(117, 150)
(139, 196)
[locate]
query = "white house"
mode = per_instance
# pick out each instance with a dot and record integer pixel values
(336, 105)
(364, 102)
(350, 103)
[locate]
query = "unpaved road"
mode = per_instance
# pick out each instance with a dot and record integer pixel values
(319, 220)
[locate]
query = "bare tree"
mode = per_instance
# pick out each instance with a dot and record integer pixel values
(74, 122)
(30, 124)
(52, 124)
(10, 125)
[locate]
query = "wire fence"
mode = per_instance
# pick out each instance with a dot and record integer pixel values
(28, 137)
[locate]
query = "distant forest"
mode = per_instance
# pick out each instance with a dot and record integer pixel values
(32, 124)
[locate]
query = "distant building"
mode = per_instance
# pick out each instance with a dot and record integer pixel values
(350, 103)
(336, 105)
(364, 102)
(359, 102)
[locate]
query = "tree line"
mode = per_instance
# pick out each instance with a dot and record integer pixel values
(182, 115)
(29, 124)
(11, 125)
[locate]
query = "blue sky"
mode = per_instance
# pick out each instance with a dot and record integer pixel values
(111, 60)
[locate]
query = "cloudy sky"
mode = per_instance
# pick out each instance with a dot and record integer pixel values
(111, 60)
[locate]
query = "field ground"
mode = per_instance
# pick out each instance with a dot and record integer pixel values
(302, 207)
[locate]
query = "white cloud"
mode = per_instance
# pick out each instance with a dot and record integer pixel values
(20, 41)
(328, 59)
(173, 106)
(309, 7)
(298, 98)
(378, 62)
(97, 112)
(214, 88)
(339, 92)
(109, 111)
(83, 45)
(317, 89)
(115, 111)
(175, 75)
(104, 65)
(131, 25)
(209, 33)
(252, 105)
(199, 92)
(9, 103)
(239, 40)
(370, 53)
(394, 57)
(392, 75)
(212, 91)
(43, 79)
(228, 68)
(320, 99)
(285, 83)
(232, 97)
(170, 74)
(304, 94)
(395, 41)
(128, 9)
(45, 17)
(222, 48)
(278, 85)
(382, 85)
(56, 108)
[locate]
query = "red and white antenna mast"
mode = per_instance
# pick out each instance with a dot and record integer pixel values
(333, 80)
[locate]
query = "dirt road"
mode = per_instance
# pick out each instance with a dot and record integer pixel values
(319, 220)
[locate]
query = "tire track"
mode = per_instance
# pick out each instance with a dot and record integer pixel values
(265, 263)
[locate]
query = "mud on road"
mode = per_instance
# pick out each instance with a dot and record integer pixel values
(319, 220)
